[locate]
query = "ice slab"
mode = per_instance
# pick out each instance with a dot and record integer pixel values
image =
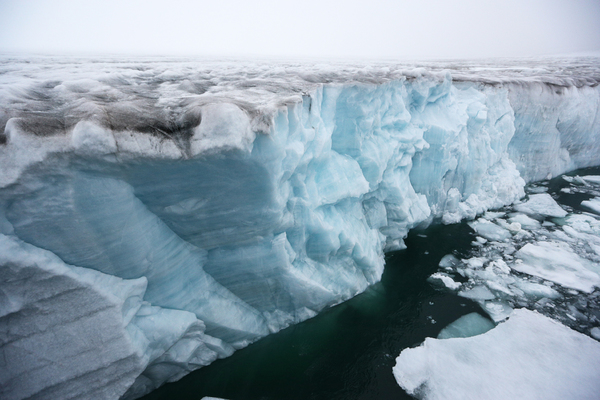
(490, 231)
(445, 280)
(556, 262)
(525, 221)
(466, 326)
(527, 357)
(542, 205)
(595, 179)
(477, 293)
(497, 310)
(593, 205)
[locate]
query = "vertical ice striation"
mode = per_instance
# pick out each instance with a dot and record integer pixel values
(186, 218)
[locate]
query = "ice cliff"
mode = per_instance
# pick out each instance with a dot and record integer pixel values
(158, 214)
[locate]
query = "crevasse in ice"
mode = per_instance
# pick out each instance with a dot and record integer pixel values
(170, 213)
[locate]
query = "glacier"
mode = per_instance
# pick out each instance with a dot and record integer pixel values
(156, 215)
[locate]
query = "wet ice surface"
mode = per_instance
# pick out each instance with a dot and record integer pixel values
(539, 254)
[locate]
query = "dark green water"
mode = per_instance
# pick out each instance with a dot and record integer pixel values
(348, 351)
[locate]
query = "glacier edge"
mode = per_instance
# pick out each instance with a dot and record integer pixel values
(240, 233)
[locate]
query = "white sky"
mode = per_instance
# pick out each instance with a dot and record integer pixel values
(384, 29)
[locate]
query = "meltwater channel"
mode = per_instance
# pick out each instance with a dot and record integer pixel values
(348, 351)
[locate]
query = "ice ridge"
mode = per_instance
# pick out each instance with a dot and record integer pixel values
(191, 209)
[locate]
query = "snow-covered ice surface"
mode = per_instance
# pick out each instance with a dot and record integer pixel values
(248, 196)
(529, 356)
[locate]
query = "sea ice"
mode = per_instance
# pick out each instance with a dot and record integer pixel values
(557, 263)
(489, 230)
(542, 205)
(445, 280)
(497, 310)
(477, 293)
(592, 205)
(525, 221)
(595, 179)
(527, 357)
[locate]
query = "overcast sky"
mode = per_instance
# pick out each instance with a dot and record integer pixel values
(383, 29)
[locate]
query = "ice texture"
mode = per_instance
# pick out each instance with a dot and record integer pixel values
(52, 312)
(247, 197)
(541, 204)
(558, 263)
(529, 356)
(466, 326)
(593, 205)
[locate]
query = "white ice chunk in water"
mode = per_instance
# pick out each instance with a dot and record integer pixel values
(592, 179)
(525, 221)
(477, 293)
(448, 261)
(466, 326)
(445, 280)
(556, 262)
(536, 290)
(497, 310)
(541, 204)
(593, 205)
(527, 357)
(490, 230)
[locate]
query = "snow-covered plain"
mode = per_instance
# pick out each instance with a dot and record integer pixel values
(224, 201)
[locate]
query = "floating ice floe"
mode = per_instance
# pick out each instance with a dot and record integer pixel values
(541, 204)
(490, 230)
(527, 357)
(593, 205)
(594, 179)
(556, 262)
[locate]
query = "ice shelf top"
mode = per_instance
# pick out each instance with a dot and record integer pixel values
(162, 96)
